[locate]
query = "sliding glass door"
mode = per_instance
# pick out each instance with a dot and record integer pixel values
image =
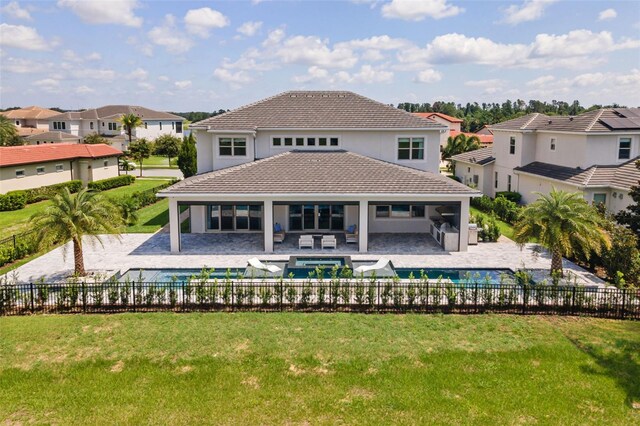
(234, 218)
(316, 217)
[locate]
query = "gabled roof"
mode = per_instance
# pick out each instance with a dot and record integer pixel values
(622, 176)
(53, 136)
(28, 131)
(480, 156)
(115, 112)
(30, 113)
(316, 110)
(319, 172)
(600, 120)
(29, 154)
(449, 118)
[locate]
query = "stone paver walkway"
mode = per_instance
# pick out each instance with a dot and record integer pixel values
(151, 251)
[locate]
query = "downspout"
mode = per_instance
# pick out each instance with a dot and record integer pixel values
(71, 168)
(254, 148)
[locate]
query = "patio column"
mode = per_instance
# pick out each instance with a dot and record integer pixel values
(464, 224)
(363, 226)
(174, 225)
(268, 226)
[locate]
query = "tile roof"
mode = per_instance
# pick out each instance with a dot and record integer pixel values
(599, 120)
(319, 172)
(449, 118)
(30, 113)
(28, 131)
(316, 110)
(623, 176)
(480, 156)
(53, 136)
(29, 154)
(115, 111)
(484, 139)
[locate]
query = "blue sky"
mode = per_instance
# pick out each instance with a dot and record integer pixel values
(184, 56)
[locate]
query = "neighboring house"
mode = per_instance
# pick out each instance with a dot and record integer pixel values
(105, 121)
(471, 168)
(31, 166)
(593, 153)
(485, 130)
(319, 162)
(452, 123)
(30, 120)
(485, 140)
(51, 137)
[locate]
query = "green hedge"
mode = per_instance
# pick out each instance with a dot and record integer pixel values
(504, 209)
(114, 182)
(510, 195)
(25, 245)
(14, 200)
(148, 197)
(34, 195)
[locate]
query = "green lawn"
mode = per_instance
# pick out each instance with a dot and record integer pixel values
(505, 229)
(299, 368)
(17, 221)
(158, 162)
(151, 218)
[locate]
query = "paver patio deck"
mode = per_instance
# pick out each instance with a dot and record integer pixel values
(151, 251)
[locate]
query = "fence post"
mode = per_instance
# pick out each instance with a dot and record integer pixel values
(378, 286)
(14, 241)
(183, 295)
(32, 297)
(84, 296)
(624, 299)
(573, 300)
(133, 292)
(232, 295)
(524, 299)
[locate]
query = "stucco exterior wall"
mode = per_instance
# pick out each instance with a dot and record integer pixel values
(603, 149)
(466, 172)
(531, 184)
(571, 150)
(9, 181)
(99, 171)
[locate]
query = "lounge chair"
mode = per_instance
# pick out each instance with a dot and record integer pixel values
(305, 241)
(328, 241)
(256, 264)
(351, 234)
(278, 233)
(380, 264)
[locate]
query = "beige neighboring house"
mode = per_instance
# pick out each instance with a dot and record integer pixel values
(472, 168)
(593, 153)
(321, 162)
(105, 121)
(31, 120)
(51, 138)
(33, 166)
(452, 123)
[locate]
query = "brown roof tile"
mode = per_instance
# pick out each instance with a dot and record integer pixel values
(30, 113)
(480, 156)
(311, 172)
(29, 154)
(317, 110)
(115, 111)
(53, 136)
(599, 120)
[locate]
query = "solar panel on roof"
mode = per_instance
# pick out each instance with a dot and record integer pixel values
(622, 123)
(628, 112)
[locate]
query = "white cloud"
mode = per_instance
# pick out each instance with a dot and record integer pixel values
(311, 50)
(168, 36)
(274, 37)
(22, 66)
(71, 56)
(428, 76)
(383, 42)
(117, 12)
(49, 85)
(369, 75)
(22, 37)
(93, 74)
(313, 73)
(607, 14)
(184, 84)
(249, 28)
(14, 10)
(94, 56)
(530, 10)
(411, 10)
(541, 81)
(237, 78)
(163, 78)
(483, 83)
(147, 87)
(589, 79)
(366, 75)
(138, 74)
(83, 90)
(201, 21)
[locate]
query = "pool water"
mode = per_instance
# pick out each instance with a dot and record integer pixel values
(460, 276)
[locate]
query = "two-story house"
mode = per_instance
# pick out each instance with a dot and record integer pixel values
(31, 120)
(105, 121)
(594, 153)
(321, 162)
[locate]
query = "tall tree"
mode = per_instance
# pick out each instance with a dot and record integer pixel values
(167, 145)
(565, 224)
(130, 122)
(631, 215)
(457, 145)
(9, 133)
(72, 217)
(187, 158)
(140, 150)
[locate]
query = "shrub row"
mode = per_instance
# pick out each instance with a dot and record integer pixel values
(25, 246)
(489, 232)
(16, 200)
(148, 197)
(110, 183)
(503, 208)
(510, 195)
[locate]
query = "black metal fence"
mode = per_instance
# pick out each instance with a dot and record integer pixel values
(334, 295)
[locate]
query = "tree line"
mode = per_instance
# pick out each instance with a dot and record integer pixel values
(476, 115)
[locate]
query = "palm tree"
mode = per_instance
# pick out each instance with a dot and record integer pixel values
(130, 122)
(72, 217)
(457, 145)
(8, 132)
(565, 224)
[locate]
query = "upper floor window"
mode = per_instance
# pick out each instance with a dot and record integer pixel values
(410, 148)
(512, 145)
(17, 122)
(91, 125)
(59, 125)
(113, 126)
(624, 149)
(552, 144)
(178, 126)
(233, 147)
(301, 141)
(509, 183)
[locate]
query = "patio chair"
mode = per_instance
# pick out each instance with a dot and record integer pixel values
(305, 241)
(256, 264)
(351, 234)
(328, 241)
(380, 264)
(278, 233)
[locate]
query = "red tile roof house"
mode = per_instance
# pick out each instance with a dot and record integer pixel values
(321, 162)
(33, 166)
(454, 123)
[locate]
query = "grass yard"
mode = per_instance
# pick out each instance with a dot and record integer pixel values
(505, 229)
(151, 218)
(158, 162)
(17, 221)
(298, 368)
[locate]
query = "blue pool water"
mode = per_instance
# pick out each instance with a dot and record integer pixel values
(460, 276)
